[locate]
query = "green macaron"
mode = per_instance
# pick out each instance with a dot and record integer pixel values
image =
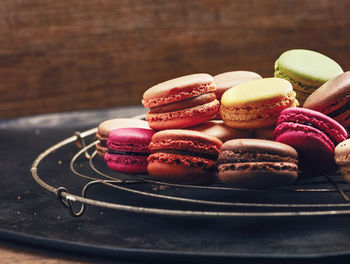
(306, 70)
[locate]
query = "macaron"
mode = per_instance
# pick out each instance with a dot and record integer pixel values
(257, 163)
(227, 80)
(314, 135)
(218, 129)
(333, 99)
(263, 133)
(105, 127)
(128, 149)
(183, 156)
(182, 102)
(342, 158)
(306, 70)
(256, 103)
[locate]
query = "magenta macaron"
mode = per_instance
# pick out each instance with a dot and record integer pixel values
(314, 136)
(128, 149)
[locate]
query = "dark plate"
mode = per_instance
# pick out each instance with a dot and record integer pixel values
(33, 215)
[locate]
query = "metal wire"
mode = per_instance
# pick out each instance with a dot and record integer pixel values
(124, 183)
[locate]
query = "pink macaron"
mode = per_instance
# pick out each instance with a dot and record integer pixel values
(314, 135)
(128, 149)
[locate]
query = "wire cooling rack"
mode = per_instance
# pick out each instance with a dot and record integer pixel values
(321, 196)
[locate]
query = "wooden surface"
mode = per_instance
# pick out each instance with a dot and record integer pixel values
(69, 55)
(11, 253)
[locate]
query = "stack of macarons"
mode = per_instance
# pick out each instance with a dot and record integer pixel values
(237, 127)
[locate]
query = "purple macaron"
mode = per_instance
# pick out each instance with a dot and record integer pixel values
(128, 149)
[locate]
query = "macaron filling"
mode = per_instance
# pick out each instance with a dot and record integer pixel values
(258, 166)
(229, 156)
(189, 145)
(281, 74)
(341, 106)
(184, 160)
(188, 153)
(185, 103)
(127, 153)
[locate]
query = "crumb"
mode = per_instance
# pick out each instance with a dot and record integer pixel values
(102, 213)
(19, 197)
(59, 162)
(58, 218)
(35, 213)
(18, 212)
(159, 187)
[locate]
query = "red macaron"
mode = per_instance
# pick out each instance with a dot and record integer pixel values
(128, 149)
(183, 156)
(314, 135)
(181, 102)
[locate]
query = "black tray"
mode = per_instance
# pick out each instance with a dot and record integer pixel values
(33, 215)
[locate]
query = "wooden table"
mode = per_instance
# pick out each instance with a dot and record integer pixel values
(13, 252)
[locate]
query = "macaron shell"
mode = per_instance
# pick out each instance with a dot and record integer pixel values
(307, 66)
(258, 175)
(186, 140)
(183, 118)
(178, 89)
(181, 168)
(227, 80)
(252, 145)
(218, 129)
(325, 124)
(256, 91)
(130, 139)
(127, 164)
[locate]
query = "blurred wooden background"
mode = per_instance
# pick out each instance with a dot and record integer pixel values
(90, 54)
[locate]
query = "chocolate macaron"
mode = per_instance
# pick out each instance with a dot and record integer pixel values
(257, 163)
(333, 99)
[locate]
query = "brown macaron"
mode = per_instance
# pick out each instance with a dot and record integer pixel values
(107, 126)
(333, 99)
(257, 163)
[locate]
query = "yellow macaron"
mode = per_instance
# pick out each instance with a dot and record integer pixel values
(256, 103)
